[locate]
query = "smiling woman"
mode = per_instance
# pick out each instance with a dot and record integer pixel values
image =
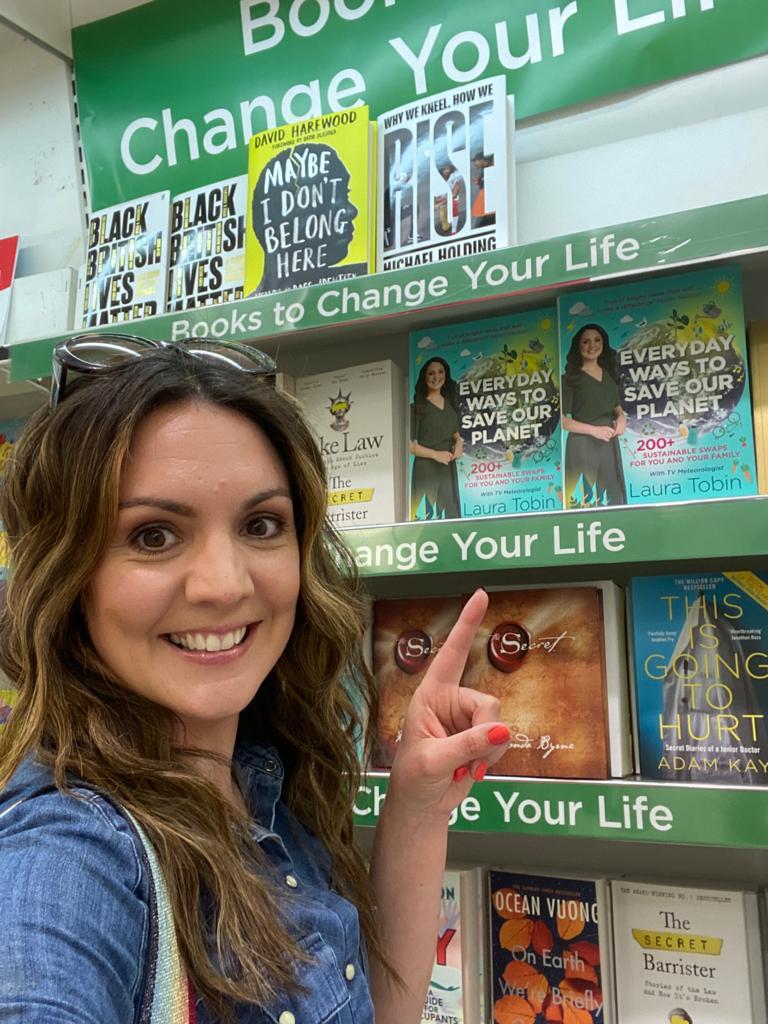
(182, 624)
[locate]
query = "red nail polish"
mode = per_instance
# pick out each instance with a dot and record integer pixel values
(460, 773)
(480, 771)
(498, 734)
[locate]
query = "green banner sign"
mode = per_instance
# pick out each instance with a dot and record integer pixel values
(707, 233)
(620, 536)
(630, 811)
(170, 91)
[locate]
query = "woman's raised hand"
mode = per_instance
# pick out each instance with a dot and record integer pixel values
(452, 734)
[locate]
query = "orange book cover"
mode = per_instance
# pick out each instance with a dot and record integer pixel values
(541, 651)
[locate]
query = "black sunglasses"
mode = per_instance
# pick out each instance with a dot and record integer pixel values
(95, 353)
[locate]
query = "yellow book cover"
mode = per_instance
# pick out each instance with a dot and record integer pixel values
(308, 215)
(757, 341)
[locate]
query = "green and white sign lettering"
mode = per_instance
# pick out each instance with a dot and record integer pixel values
(630, 811)
(170, 91)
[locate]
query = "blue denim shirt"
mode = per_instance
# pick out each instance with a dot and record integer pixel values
(74, 910)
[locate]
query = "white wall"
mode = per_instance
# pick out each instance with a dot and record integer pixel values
(39, 172)
(695, 142)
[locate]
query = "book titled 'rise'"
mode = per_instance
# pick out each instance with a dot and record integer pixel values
(446, 176)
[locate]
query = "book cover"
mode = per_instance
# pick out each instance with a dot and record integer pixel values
(686, 955)
(308, 208)
(9, 251)
(126, 263)
(757, 341)
(206, 263)
(446, 176)
(550, 949)
(455, 993)
(485, 392)
(700, 671)
(542, 652)
(357, 416)
(655, 391)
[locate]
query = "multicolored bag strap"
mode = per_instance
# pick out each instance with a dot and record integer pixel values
(169, 997)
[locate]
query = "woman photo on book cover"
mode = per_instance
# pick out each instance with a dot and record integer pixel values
(179, 770)
(436, 443)
(308, 244)
(594, 419)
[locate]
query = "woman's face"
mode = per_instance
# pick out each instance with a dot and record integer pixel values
(435, 376)
(195, 597)
(591, 344)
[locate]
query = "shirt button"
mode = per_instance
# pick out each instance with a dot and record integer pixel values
(286, 1017)
(293, 883)
(270, 765)
(350, 972)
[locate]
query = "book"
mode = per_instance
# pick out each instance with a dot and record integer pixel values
(9, 251)
(126, 262)
(687, 955)
(456, 993)
(43, 305)
(550, 949)
(655, 391)
(757, 343)
(357, 416)
(700, 676)
(498, 382)
(308, 216)
(553, 656)
(206, 262)
(446, 175)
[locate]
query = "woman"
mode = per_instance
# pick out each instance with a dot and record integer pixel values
(435, 443)
(179, 627)
(594, 419)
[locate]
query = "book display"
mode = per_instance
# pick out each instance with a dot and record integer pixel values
(700, 677)
(9, 251)
(551, 655)
(446, 176)
(456, 993)
(528, 370)
(487, 391)
(687, 955)
(126, 265)
(550, 953)
(655, 392)
(207, 245)
(357, 417)
(310, 200)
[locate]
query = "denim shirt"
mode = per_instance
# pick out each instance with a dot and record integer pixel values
(74, 912)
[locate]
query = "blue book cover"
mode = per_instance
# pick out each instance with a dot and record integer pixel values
(655, 391)
(700, 652)
(549, 949)
(484, 418)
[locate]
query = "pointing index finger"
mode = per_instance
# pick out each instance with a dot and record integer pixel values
(450, 659)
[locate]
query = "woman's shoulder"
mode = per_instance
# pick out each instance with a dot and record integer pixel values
(75, 902)
(32, 807)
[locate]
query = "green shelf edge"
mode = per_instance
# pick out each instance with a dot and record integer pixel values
(731, 528)
(670, 241)
(617, 809)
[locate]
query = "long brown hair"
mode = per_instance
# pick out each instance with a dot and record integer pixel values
(59, 505)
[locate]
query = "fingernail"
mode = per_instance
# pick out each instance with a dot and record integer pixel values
(460, 773)
(480, 771)
(498, 734)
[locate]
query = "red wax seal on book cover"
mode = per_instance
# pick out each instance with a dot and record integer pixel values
(507, 646)
(412, 648)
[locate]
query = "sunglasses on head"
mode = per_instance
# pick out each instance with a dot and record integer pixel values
(96, 353)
